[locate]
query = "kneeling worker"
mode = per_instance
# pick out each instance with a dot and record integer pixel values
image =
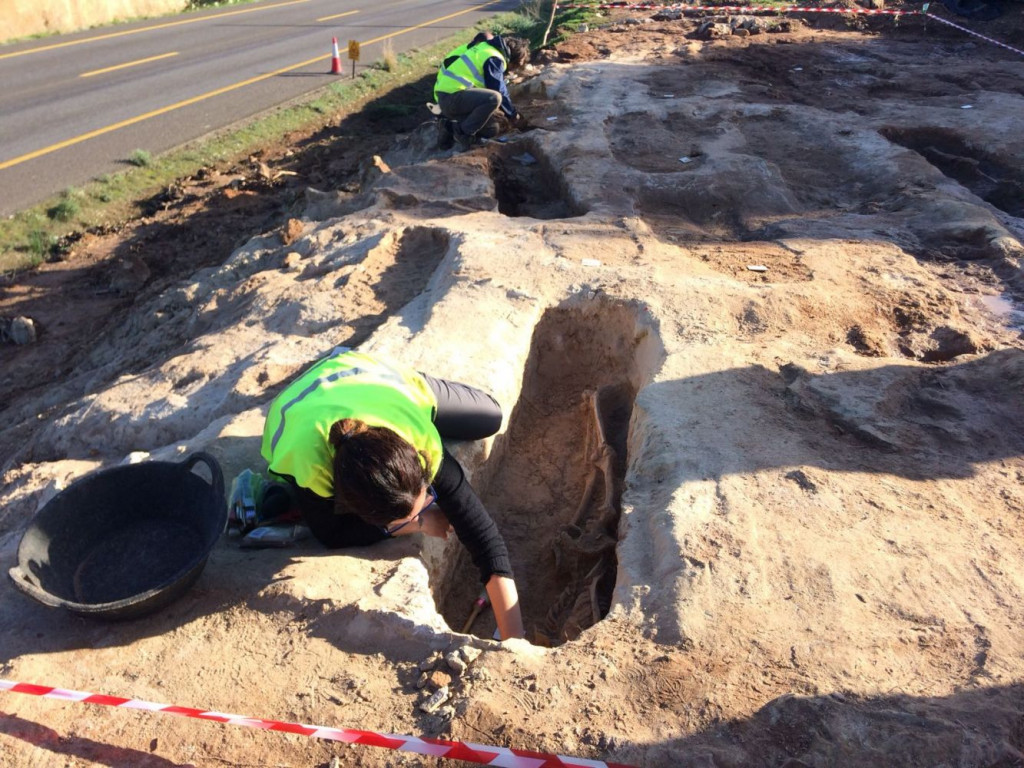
(471, 88)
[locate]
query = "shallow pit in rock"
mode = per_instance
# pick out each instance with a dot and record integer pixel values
(526, 184)
(554, 480)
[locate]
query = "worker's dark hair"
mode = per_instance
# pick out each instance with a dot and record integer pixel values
(518, 52)
(377, 475)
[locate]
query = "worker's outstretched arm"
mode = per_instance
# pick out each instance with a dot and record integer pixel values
(505, 603)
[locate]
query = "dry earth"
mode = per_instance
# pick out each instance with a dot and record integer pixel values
(805, 535)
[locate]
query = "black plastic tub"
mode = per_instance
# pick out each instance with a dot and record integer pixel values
(123, 542)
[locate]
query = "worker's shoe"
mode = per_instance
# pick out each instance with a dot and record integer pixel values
(445, 137)
(463, 141)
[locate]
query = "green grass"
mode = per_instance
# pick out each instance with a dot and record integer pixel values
(67, 207)
(140, 158)
(32, 235)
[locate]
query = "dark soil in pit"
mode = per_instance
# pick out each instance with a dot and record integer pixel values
(526, 185)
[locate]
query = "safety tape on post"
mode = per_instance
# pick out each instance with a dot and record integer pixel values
(452, 750)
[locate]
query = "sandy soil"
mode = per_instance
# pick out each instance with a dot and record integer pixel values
(765, 517)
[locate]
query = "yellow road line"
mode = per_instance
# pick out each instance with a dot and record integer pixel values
(210, 94)
(148, 29)
(129, 64)
(336, 16)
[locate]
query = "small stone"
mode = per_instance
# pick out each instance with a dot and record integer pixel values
(469, 654)
(439, 679)
(711, 30)
(741, 32)
(292, 231)
(424, 678)
(291, 261)
(455, 663)
(434, 702)
(23, 331)
(479, 674)
(430, 662)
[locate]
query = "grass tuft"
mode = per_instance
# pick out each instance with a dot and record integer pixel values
(140, 158)
(67, 207)
(389, 60)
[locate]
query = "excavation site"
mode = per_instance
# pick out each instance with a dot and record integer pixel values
(748, 291)
(558, 471)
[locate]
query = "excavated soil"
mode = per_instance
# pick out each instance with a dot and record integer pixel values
(752, 308)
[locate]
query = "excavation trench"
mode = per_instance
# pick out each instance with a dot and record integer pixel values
(554, 480)
(526, 184)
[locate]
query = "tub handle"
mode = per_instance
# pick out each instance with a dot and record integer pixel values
(215, 472)
(21, 581)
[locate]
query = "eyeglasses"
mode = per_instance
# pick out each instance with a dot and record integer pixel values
(431, 500)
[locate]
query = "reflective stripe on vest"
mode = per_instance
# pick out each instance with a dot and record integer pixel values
(346, 385)
(466, 71)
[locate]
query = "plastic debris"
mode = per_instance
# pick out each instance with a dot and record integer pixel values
(757, 267)
(590, 263)
(685, 159)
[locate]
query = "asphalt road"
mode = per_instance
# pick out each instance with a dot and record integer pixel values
(76, 106)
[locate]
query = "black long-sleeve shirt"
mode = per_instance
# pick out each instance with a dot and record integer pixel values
(473, 525)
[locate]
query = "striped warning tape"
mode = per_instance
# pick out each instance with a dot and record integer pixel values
(452, 750)
(971, 32)
(786, 9)
(742, 8)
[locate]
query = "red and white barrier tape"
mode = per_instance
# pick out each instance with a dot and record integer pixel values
(452, 750)
(743, 9)
(785, 9)
(972, 32)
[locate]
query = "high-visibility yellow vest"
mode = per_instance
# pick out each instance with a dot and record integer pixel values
(346, 385)
(467, 71)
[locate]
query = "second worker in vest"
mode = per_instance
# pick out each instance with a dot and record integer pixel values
(471, 88)
(360, 442)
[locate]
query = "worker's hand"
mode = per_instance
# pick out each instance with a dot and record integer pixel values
(434, 523)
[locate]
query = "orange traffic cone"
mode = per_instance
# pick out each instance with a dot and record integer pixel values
(335, 58)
